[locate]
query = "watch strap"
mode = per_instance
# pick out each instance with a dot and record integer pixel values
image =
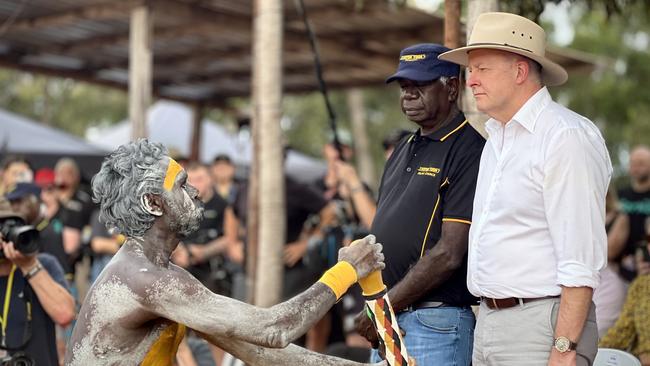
(33, 271)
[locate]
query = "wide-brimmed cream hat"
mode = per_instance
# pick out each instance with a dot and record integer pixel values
(512, 33)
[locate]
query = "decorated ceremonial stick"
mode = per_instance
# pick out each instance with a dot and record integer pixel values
(380, 311)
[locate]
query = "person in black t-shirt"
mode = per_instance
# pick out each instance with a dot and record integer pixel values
(424, 213)
(213, 247)
(635, 202)
(53, 212)
(223, 177)
(76, 206)
(104, 245)
(36, 298)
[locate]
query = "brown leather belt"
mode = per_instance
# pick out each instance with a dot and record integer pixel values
(497, 304)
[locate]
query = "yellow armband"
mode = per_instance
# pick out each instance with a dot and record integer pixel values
(373, 284)
(339, 278)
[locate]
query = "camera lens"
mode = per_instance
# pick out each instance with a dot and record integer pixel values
(20, 359)
(25, 238)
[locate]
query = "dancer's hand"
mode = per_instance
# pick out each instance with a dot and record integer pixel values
(364, 255)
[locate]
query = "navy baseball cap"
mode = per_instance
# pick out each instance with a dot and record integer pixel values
(420, 63)
(22, 190)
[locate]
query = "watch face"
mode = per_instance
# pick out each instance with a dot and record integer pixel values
(562, 344)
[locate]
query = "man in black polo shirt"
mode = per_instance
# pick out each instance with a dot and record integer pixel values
(424, 211)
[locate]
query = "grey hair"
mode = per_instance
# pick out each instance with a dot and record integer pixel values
(67, 162)
(534, 68)
(126, 175)
(444, 80)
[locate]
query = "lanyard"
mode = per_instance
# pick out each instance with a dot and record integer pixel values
(5, 309)
(5, 314)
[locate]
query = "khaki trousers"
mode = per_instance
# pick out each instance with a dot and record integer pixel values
(523, 335)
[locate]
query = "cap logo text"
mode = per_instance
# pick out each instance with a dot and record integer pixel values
(410, 58)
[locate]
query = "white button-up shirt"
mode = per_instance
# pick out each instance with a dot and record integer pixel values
(539, 211)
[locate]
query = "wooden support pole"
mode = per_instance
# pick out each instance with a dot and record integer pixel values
(195, 142)
(358, 119)
(475, 118)
(452, 23)
(267, 106)
(140, 69)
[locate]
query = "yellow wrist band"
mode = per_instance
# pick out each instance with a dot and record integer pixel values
(373, 284)
(339, 278)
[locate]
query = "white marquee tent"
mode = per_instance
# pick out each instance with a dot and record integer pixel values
(170, 123)
(43, 145)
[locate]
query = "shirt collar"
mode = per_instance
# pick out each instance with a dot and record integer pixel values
(447, 131)
(527, 114)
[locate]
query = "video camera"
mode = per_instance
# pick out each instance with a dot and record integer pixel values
(24, 237)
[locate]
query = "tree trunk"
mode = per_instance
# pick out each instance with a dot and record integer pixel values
(360, 133)
(140, 65)
(267, 32)
(474, 9)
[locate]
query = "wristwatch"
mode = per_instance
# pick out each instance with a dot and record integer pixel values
(33, 271)
(563, 344)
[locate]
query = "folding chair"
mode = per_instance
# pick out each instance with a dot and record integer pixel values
(615, 357)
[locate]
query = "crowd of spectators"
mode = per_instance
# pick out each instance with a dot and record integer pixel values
(321, 217)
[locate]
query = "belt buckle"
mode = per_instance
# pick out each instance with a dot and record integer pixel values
(494, 303)
(490, 301)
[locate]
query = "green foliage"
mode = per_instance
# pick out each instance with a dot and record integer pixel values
(618, 32)
(612, 8)
(614, 97)
(62, 103)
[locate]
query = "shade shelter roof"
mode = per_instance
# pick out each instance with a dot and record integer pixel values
(202, 48)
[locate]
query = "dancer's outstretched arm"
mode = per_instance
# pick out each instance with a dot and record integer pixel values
(177, 296)
(292, 355)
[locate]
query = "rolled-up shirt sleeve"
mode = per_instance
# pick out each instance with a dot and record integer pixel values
(576, 176)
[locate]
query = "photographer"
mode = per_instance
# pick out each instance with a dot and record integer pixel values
(34, 293)
(26, 201)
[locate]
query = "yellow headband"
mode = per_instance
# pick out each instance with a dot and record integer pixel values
(172, 171)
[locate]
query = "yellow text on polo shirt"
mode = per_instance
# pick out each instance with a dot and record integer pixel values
(409, 58)
(428, 170)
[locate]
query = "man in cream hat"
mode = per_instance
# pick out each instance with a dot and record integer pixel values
(537, 241)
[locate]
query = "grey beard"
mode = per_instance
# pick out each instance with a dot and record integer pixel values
(188, 223)
(187, 220)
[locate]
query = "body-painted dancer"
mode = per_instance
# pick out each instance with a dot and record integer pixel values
(136, 312)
